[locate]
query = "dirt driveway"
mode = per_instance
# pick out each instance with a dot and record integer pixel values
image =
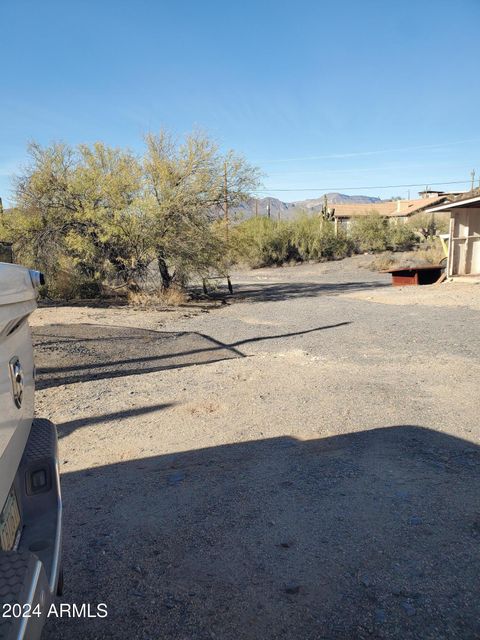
(302, 463)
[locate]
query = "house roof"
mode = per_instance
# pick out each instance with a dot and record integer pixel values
(393, 209)
(464, 203)
(415, 206)
(354, 210)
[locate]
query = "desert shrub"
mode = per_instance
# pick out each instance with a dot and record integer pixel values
(262, 242)
(376, 233)
(371, 233)
(428, 225)
(174, 296)
(67, 282)
(314, 239)
(431, 251)
(37, 247)
(400, 237)
(383, 261)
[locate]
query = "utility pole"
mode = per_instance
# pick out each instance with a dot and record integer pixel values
(473, 179)
(225, 201)
(256, 207)
(268, 209)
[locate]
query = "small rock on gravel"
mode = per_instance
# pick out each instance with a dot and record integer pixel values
(292, 588)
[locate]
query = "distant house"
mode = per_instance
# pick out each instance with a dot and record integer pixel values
(397, 211)
(436, 193)
(463, 235)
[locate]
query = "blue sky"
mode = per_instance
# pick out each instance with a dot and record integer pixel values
(321, 95)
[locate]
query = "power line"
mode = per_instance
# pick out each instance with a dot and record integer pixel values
(387, 186)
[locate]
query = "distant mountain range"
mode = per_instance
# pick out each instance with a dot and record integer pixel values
(281, 209)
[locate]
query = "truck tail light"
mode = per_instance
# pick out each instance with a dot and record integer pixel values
(37, 278)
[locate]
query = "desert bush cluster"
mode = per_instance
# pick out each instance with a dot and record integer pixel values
(102, 221)
(263, 242)
(429, 251)
(374, 233)
(97, 219)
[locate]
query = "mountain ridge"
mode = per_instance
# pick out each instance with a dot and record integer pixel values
(279, 208)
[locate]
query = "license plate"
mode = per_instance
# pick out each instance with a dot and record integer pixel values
(9, 522)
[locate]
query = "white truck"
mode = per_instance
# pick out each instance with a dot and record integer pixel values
(30, 499)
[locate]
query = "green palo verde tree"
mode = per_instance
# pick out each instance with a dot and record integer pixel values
(78, 210)
(93, 215)
(190, 187)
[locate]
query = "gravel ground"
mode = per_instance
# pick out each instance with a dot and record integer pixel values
(301, 463)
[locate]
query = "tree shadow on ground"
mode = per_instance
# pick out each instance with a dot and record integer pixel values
(370, 534)
(68, 427)
(275, 292)
(66, 354)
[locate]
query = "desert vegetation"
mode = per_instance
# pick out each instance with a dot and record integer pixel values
(98, 219)
(261, 241)
(102, 221)
(374, 233)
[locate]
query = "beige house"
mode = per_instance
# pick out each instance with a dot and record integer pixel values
(398, 211)
(463, 236)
